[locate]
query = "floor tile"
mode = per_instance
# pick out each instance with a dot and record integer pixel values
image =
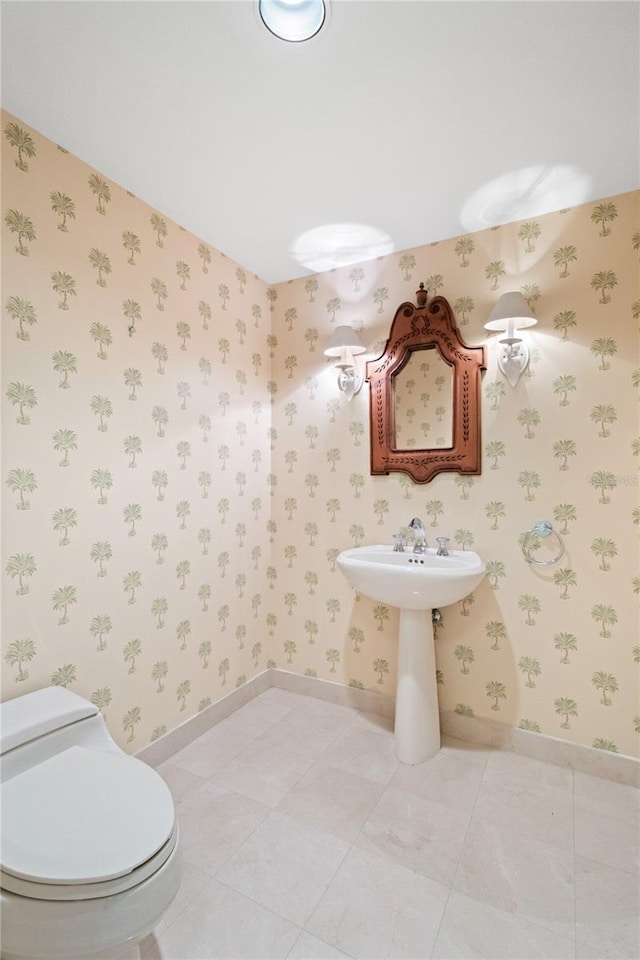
(294, 812)
(377, 909)
(222, 924)
(307, 947)
(444, 779)
(181, 782)
(307, 732)
(517, 874)
(367, 754)
(465, 749)
(607, 911)
(263, 772)
(529, 770)
(422, 836)
(330, 799)
(286, 698)
(285, 866)
(256, 716)
(534, 809)
(214, 822)
(474, 931)
(375, 723)
(213, 750)
(318, 706)
(610, 798)
(323, 710)
(609, 839)
(585, 950)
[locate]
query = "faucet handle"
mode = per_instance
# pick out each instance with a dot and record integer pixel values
(442, 546)
(399, 541)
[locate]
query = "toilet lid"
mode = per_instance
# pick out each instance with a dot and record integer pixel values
(116, 815)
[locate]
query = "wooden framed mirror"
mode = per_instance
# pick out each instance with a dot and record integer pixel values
(425, 395)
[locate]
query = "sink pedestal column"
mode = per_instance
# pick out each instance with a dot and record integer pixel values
(417, 721)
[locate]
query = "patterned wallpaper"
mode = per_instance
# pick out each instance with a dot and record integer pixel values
(180, 470)
(136, 417)
(551, 649)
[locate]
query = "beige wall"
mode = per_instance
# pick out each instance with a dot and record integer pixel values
(172, 643)
(529, 609)
(313, 495)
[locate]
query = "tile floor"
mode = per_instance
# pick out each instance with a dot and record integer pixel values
(303, 837)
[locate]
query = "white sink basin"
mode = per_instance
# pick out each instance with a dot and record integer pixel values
(412, 581)
(416, 583)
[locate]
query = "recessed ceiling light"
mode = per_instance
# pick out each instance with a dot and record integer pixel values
(293, 20)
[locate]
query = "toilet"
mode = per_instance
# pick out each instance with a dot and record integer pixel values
(89, 855)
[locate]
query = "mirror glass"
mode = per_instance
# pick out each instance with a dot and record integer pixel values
(423, 399)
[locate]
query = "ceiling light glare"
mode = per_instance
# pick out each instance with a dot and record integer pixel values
(527, 192)
(335, 245)
(293, 20)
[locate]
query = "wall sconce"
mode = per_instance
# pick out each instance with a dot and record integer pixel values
(344, 344)
(512, 313)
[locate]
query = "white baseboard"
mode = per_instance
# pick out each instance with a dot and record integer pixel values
(538, 746)
(369, 701)
(164, 747)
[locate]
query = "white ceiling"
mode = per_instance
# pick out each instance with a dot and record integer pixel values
(421, 119)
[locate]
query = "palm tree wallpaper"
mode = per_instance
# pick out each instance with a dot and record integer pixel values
(180, 471)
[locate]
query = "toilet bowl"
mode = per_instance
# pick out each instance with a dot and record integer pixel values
(89, 857)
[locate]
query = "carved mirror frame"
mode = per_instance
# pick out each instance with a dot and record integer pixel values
(413, 328)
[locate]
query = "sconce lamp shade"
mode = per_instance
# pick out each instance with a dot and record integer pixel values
(344, 343)
(511, 311)
(343, 339)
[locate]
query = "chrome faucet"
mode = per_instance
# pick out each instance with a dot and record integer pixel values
(420, 545)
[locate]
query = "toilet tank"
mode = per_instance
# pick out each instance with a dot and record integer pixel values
(38, 725)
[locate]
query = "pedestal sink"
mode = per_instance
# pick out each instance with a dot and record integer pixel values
(416, 583)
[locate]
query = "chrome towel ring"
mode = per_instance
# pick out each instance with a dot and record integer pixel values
(531, 540)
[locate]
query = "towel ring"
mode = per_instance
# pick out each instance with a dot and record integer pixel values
(542, 528)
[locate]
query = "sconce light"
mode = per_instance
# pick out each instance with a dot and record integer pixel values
(512, 313)
(344, 344)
